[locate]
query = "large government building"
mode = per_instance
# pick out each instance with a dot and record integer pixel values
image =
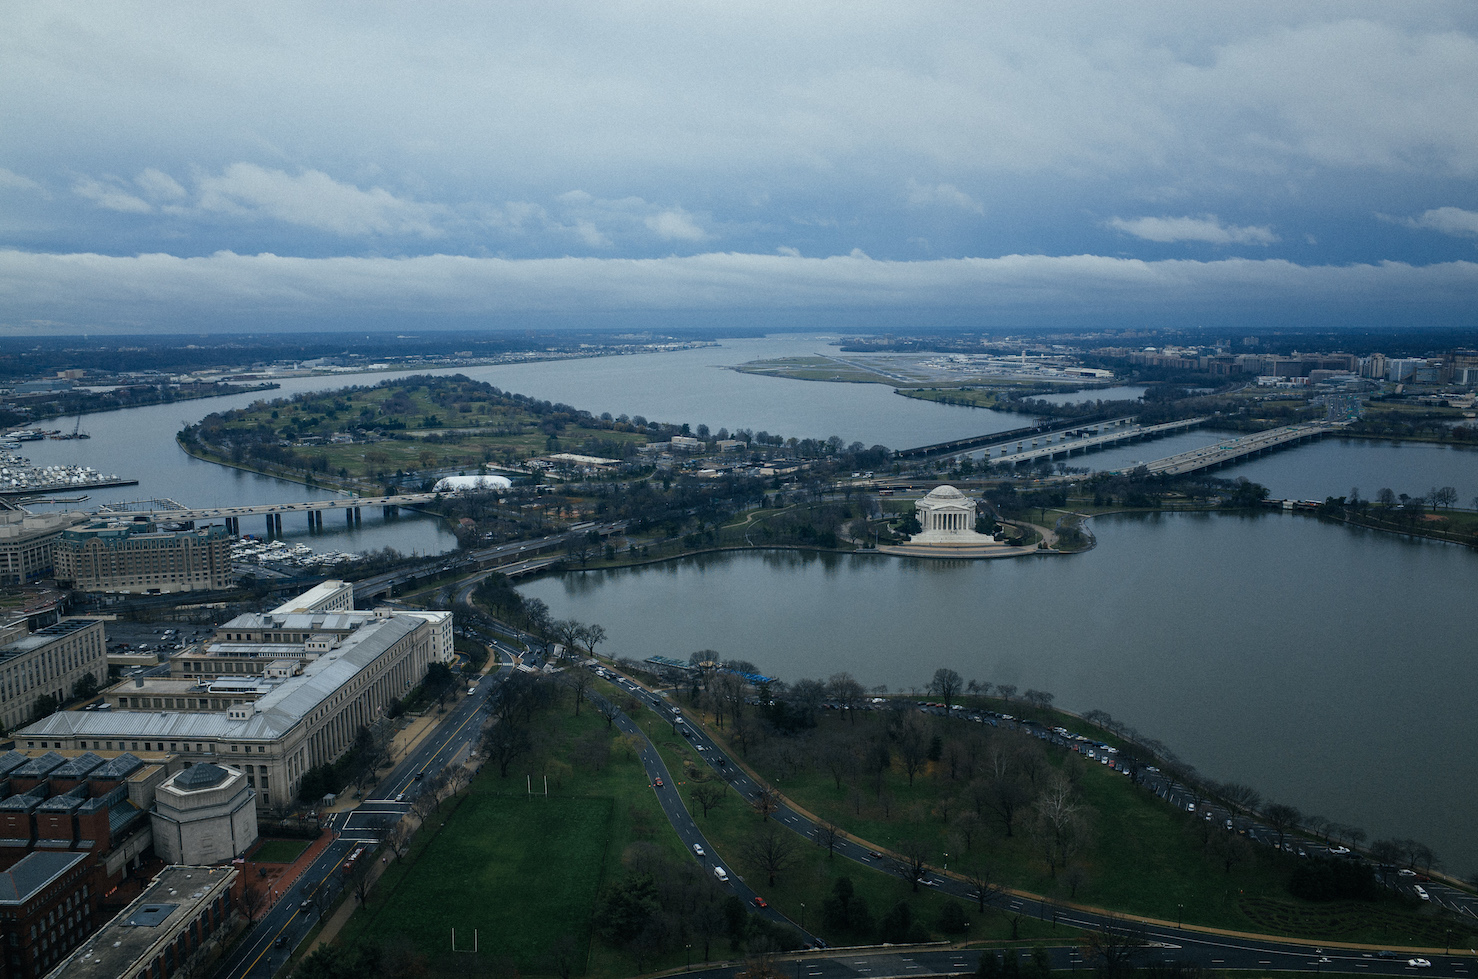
(270, 694)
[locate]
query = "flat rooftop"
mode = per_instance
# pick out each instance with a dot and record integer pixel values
(175, 897)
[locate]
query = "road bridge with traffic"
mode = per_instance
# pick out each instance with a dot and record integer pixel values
(1223, 453)
(313, 509)
(1087, 439)
(990, 440)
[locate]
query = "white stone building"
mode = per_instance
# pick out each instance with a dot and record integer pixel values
(205, 814)
(946, 516)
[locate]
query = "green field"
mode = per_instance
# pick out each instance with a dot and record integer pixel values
(279, 851)
(521, 871)
(525, 872)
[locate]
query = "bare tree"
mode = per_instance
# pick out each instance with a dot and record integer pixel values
(913, 746)
(846, 691)
(828, 835)
(1281, 818)
(708, 795)
(1002, 795)
(578, 677)
(1244, 797)
(1006, 691)
(1059, 824)
(766, 802)
(504, 743)
(1114, 948)
(253, 902)
(946, 685)
(986, 891)
(594, 635)
(911, 861)
(773, 850)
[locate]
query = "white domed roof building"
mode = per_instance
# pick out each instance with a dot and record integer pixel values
(465, 484)
(946, 516)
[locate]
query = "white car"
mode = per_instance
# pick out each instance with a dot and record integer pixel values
(1421, 892)
(1339, 851)
(698, 849)
(1419, 963)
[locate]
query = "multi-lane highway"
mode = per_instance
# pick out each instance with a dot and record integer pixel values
(269, 943)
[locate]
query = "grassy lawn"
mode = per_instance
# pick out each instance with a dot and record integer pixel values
(279, 851)
(799, 891)
(524, 872)
(1141, 857)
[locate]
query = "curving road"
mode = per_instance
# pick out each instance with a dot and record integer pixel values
(1163, 940)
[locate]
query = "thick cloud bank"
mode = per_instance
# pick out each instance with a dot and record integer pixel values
(88, 291)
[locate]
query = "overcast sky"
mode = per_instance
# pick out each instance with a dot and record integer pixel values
(265, 165)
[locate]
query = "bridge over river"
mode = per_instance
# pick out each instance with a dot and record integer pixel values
(313, 509)
(1222, 453)
(1089, 439)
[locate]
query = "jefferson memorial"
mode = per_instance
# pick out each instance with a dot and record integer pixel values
(947, 519)
(946, 516)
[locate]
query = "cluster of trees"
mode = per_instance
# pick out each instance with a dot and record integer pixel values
(990, 782)
(658, 904)
(1138, 488)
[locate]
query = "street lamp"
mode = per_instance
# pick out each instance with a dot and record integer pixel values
(803, 917)
(1179, 915)
(688, 951)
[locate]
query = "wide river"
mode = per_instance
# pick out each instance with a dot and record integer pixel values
(1328, 667)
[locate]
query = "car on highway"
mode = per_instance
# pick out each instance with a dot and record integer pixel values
(400, 797)
(1339, 851)
(657, 781)
(874, 855)
(1421, 892)
(760, 902)
(698, 850)
(1418, 963)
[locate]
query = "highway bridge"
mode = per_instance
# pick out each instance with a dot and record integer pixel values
(956, 447)
(1222, 453)
(272, 512)
(1091, 439)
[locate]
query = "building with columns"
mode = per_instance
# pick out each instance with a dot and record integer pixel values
(316, 678)
(945, 515)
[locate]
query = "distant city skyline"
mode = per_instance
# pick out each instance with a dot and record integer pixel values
(854, 165)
